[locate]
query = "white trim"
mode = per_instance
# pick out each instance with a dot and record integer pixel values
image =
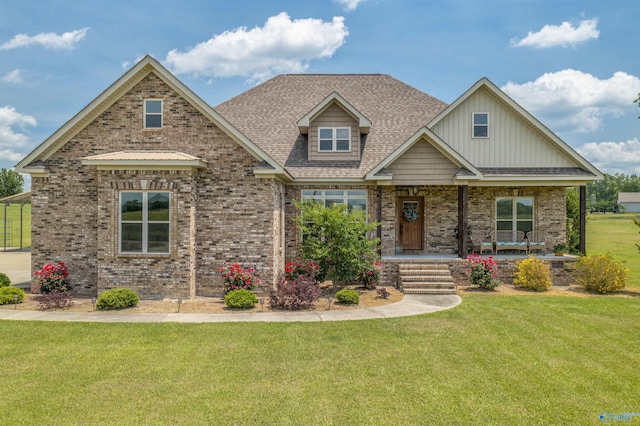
(145, 114)
(144, 222)
(334, 139)
(473, 125)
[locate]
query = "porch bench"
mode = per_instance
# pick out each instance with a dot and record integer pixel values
(537, 240)
(509, 240)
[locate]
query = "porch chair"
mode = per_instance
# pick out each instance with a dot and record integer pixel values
(509, 240)
(482, 244)
(537, 240)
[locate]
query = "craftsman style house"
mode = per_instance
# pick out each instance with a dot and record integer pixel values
(150, 188)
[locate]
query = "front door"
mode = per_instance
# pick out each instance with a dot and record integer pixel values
(411, 220)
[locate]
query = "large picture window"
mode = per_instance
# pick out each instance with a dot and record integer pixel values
(334, 139)
(514, 214)
(144, 222)
(355, 199)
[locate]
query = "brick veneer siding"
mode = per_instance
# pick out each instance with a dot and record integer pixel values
(221, 213)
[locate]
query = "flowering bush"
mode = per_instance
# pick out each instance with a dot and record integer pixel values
(482, 272)
(52, 278)
(533, 274)
(236, 278)
(371, 274)
(293, 270)
(601, 273)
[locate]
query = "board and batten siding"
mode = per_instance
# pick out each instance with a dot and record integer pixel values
(422, 164)
(511, 142)
(334, 116)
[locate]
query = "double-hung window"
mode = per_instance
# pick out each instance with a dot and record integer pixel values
(153, 113)
(355, 199)
(334, 139)
(514, 214)
(480, 125)
(144, 222)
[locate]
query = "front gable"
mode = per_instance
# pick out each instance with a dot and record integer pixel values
(423, 164)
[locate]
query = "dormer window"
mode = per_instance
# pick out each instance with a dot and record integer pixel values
(334, 139)
(480, 125)
(153, 113)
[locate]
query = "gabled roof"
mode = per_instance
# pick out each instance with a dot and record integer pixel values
(628, 197)
(471, 173)
(562, 146)
(268, 114)
(32, 163)
(363, 122)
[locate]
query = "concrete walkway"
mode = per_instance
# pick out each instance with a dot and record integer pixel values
(17, 264)
(412, 304)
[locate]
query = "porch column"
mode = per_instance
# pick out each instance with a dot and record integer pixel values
(583, 220)
(463, 216)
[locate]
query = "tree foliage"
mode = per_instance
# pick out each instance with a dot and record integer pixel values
(336, 239)
(10, 183)
(573, 220)
(602, 195)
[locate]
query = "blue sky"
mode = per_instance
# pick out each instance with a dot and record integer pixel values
(573, 64)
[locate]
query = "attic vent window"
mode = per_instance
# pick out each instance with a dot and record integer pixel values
(480, 125)
(334, 139)
(153, 114)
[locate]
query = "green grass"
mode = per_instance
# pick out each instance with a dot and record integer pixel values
(13, 213)
(616, 233)
(492, 360)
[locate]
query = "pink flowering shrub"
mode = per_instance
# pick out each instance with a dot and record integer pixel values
(370, 275)
(482, 272)
(293, 270)
(52, 279)
(236, 278)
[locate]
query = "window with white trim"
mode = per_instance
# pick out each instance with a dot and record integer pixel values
(334, 139)
(153, 113)
(514, 214)
(480, 124)
(355, 199)
(144, 222)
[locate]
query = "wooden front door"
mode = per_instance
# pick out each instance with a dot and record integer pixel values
(411, 222)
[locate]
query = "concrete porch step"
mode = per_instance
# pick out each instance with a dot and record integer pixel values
(433, 284)
(430, 291)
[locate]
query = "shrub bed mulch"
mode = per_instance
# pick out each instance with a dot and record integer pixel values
(215, 305)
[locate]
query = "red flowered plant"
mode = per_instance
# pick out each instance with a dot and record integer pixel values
(293, 270)
(236, 278)
(371, 274)
(52, 279)
(483, 272)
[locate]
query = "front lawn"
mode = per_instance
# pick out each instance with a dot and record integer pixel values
(495, 359)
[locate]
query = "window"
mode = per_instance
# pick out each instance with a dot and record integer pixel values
(514, 213)
(480, 125)
(334, 139)
(354, 199)
(144, 222)
(153, 114)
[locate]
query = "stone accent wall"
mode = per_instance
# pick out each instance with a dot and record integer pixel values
(221, 213)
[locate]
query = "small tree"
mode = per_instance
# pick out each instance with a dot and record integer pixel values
(336, 239)
(10, 183)
(637, 222)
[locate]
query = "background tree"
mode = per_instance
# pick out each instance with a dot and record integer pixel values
(336, 239)
(10, 183)
(573, 220)
(602, 195)
(637, 222)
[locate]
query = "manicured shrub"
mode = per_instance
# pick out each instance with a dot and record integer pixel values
(7, 295)
(482, 272)
(52, 278)
(350, 297)
(236, 278)
(240, 299)
(601, 273)
(4, 280)
(533, 274)
(117, 298)
(54, 300)
(293, 294)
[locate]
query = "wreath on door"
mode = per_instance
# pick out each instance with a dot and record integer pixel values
(410, 214)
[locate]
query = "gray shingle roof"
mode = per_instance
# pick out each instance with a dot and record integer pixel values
(267, 114)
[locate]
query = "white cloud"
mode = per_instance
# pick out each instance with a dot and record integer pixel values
(560, 35)
(613, 157)
(10, 137)
(574, 101)
(282, 45)
(349, 5)
(66, 41)
(14, 77)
